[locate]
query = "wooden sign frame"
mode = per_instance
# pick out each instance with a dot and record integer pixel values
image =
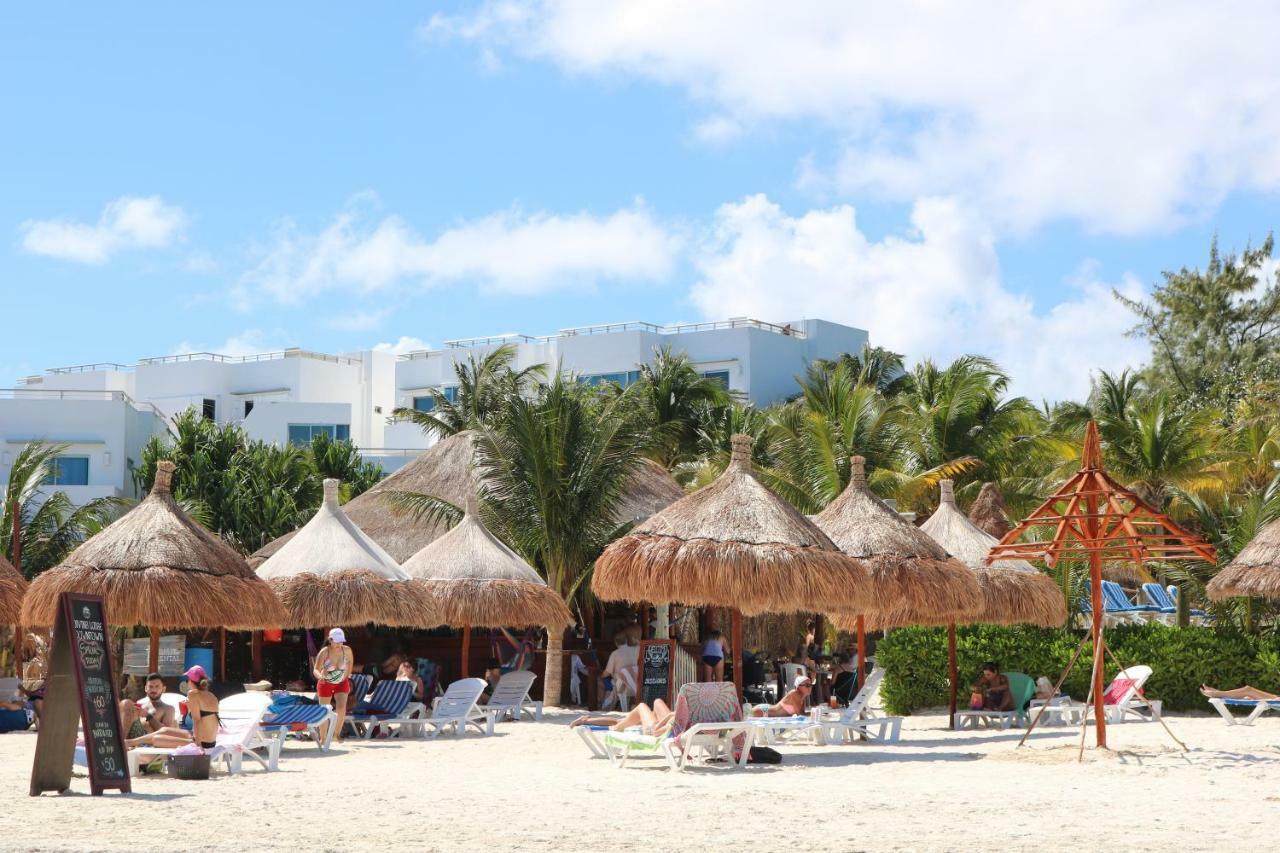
(641, 692)
(66, 700)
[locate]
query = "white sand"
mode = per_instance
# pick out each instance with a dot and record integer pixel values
(534, 786)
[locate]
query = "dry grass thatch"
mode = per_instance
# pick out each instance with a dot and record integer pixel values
(155, 566)
(1013, 591)
(332, 573)
(1255, 572)
(988, 512)
(478, 581)
(914, 580)
(445, 470)
(13, 587)
(733, 543)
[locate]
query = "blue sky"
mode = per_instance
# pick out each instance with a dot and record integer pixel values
(265, 175)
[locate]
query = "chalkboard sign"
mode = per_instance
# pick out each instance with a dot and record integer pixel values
(657, 671)
(80, 673)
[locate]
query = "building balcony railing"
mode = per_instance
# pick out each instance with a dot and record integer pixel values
(245, 359)
(90, 368)
(71, 394)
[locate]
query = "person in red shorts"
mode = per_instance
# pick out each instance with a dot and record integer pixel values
(333, 676)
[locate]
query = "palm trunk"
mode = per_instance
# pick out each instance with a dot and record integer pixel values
(554, 683)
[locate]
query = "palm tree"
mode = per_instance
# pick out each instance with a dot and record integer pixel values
(878, 367)
(675, 396)
(483, 386)
(553, 468)
(50, 524)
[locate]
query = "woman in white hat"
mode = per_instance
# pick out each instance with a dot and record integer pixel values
(332, 670)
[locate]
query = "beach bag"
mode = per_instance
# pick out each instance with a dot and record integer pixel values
(975, 701)
(764, 755)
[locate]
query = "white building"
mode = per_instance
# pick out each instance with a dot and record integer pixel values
(107, 411)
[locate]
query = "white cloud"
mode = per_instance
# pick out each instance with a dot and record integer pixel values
(507, 252)
(360, 321)
(717, 130)
(1123, 116)
(936, 292)
(402, 346)
(248, 342)
(126, 223)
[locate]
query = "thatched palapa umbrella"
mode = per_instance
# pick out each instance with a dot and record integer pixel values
(477, 580)
(157, 567)
(446, 470)
(732, 544)
(331, 573)
(988, 512)
(13, 587)
(1013, 591)
(1255, 572)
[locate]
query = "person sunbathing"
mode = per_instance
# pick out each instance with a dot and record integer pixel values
(1246, 692)
(792, 704)
(649, 720)
(136, 733)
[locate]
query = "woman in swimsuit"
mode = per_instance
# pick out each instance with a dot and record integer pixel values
(714, 651)
(332, 670)
(993, 685)
(202, 705)
(792, 704)
(649, 720)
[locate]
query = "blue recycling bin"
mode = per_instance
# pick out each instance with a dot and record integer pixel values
(198, 656)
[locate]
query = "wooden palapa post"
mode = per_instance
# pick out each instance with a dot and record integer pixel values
(735, 644)
(952, 673)
(222, 654)
(153, 655)
(862, 650)
(466, 650)
(255, 655)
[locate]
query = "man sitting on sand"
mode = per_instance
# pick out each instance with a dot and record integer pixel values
(1246, 692)
(650, 721)
(156, 713)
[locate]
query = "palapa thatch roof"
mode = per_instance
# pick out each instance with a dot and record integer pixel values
(477, 581)
(1255, 572)
(12, 587)
(332, 573)
(1013, 591)
(988, 512)
(157, 567)
(914, 580)
(735, 544)
(445, 470)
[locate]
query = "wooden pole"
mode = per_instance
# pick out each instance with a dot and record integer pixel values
(951, 671)
(255, 655)
(466, 650)
(153, 658)
(222, 654)
(862, 651)
(735, 643)
(17, 564)
(1095, 583)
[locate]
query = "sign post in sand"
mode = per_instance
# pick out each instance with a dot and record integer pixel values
(80, 671)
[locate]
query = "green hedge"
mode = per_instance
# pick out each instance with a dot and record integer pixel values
(1181, 659)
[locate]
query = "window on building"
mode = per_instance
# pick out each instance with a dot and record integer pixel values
(622, 378)
(210, 409)
(69, 471)
(721, 376)
(248, 407)
(301, 434)
(427, 403)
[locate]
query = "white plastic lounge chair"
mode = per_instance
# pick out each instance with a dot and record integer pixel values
(457, 709)
(1131, 703)
(712, 716)
(387, 704)
(848, 725)
(511, 696)
(239, 735)
(1257, 707)
(316, 718)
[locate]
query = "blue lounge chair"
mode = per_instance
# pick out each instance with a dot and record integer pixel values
(360, 685)
(1257, 707)
(1167, 599)
(1114, 608)
(311, 716)
(387, 702)
(1118, 602)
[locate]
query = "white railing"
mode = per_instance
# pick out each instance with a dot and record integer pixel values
(89, 368)
(463, 343)
(390, 451)
(245, 359)
(73, 394)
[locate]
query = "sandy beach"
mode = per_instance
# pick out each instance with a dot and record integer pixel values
(534, 786)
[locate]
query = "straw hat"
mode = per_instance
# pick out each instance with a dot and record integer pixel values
(446, 470)
(735, 544)
(155, 566)
(12, 587)
(988, 512)
(1255, 571)
(332, 573)
(1012, 590)
(477, 580)
(914, 580)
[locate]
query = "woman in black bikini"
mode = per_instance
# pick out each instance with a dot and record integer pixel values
(202, 705)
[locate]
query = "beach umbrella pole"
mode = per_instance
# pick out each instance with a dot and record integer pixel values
(862, 650)
(153, 656)
(222, 654)
(1099, 712)
(951, 671)
(466, 649)
(735, 634)
(255, 655)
